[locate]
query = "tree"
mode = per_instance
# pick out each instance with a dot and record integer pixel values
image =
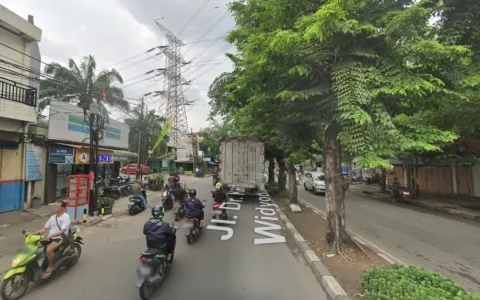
(212, 135)
(81, 84)
(151, 127)
(355, 71)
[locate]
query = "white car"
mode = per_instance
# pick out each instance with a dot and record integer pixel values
(314, 182)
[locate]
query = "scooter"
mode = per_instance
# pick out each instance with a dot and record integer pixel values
(199, 174)
(152, 270)
(135, 205)
(178, 210)
(219, 213)
(30, 262)
(167, 199)
(192, 228)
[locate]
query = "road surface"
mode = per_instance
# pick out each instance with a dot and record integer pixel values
(233, 269)
(415, 236)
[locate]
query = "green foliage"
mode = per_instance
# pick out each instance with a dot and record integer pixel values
(81, 83)
(105, 202)
(410, 283)
(211, 136)
(157, 182)
(273, 191)
(151, 127)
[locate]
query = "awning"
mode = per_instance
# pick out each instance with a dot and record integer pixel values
(81, 146)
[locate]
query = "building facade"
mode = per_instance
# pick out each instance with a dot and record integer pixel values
(19, 82)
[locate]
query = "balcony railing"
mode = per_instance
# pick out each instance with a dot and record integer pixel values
(17, 92)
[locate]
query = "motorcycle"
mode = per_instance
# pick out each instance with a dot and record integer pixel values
(398, 193)
(135, 205)
(30, 262)
(167, 201)
(199, 174)
(178, 210)
(215, 180)
(192, 228)
(151, 271)
(217, 212)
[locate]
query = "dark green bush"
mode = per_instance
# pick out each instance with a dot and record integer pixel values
(272, 188)
(410, 283)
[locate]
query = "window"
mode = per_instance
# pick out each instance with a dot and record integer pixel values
(320, 177)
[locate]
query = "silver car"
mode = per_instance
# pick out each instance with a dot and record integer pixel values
(314, 182)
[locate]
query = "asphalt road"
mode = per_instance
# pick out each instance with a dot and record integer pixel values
(415, 236)
(234, 269)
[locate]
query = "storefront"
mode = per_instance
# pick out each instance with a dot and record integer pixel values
(68, 159)
(68, 138)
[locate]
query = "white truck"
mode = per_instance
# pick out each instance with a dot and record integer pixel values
(242, 165)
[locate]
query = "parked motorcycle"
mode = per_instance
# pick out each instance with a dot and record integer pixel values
(178, 210)
(30, 263)
(215, 180)
(152, 270)
(200, 174)
(192, 228)
(135, 205)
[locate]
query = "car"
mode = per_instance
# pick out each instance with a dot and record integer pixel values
(314, 182)
(132, 169)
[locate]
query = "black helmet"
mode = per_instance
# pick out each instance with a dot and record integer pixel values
(158, 212)
(192, 192)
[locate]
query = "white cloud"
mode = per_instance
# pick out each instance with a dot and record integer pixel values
(114, 30)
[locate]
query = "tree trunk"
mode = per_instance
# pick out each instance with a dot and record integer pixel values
(334, 189)
(292, 184)
(271, 169)
(383, 180)
(281, 173)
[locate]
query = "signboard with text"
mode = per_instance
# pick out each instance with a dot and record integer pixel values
(60, 156)
(82, 157)
(34, 162)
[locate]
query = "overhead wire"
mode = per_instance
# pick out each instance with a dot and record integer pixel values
(195, 14)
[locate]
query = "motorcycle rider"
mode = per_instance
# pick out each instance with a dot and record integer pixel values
(195, 207)
(137, 192)
(179, 195)
(219, 195)
(159, 234)
(56, 227)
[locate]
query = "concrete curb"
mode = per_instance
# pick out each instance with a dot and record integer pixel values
(419, 203)
(330, 284)
(359, 239)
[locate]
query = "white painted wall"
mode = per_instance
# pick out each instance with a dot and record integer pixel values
(20, 35)
(61, 128)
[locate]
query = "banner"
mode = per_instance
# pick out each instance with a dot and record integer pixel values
(162, 136)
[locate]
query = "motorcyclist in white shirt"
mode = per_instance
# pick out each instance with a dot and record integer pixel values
(57, 226)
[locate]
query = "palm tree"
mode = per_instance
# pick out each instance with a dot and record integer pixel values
(151, 127)
(81, 84)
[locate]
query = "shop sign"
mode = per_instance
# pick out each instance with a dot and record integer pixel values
(121, 158)
(33, 162)
(82, 157)
(60, 156)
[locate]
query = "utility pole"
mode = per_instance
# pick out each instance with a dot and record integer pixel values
(194, 149)
(140, 143)
(92, 168)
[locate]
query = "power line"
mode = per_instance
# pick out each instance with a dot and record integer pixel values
(195, 14)
(223, 17)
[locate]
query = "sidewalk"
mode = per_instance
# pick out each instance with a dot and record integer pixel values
(12, 224)
(467, 209)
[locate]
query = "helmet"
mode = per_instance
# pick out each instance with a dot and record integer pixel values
(218, 185)
(192, 193)
(158, 212)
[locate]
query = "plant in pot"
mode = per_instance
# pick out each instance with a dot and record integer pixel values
(105, 204)
(156, 182)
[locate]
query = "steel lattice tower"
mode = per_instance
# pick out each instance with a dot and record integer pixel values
(173, 88)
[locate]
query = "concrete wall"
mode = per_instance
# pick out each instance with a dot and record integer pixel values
(21, 37)
(11, 175)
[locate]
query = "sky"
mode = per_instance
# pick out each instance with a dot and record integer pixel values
(119, 32)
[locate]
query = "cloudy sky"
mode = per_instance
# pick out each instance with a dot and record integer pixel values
(119, 32)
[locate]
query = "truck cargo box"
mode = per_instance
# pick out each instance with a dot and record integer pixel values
(242, 165)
